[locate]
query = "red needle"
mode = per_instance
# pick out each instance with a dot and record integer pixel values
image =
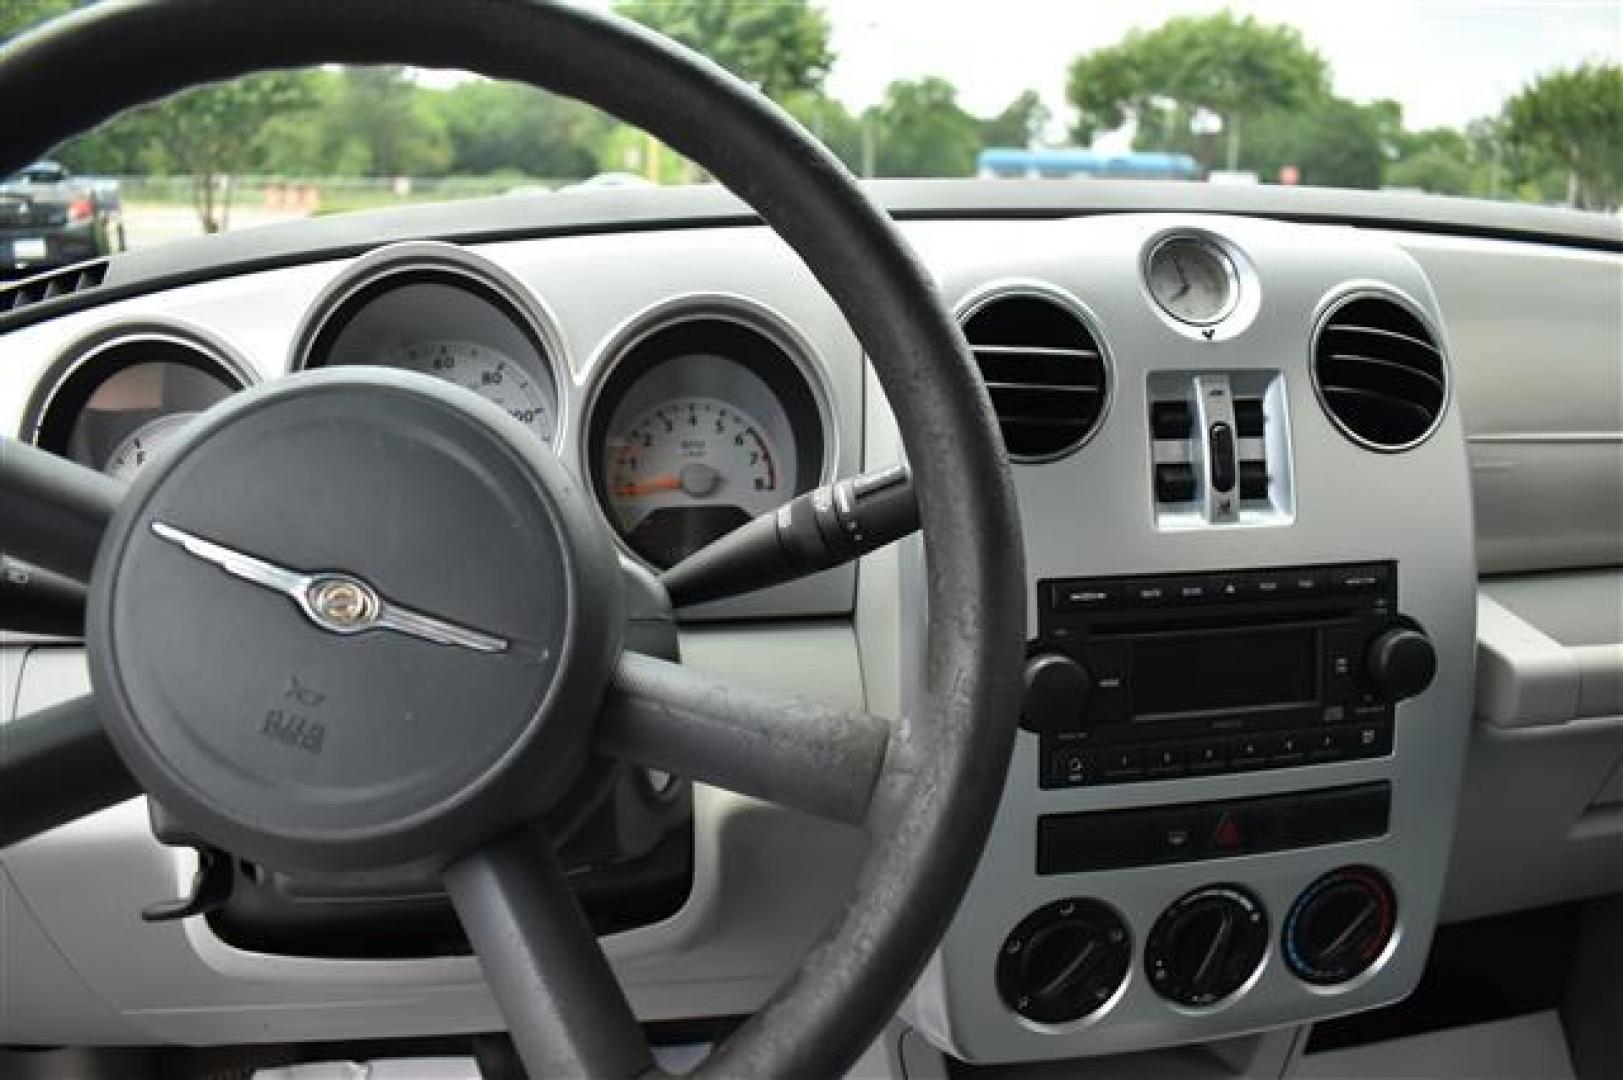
(668, 482)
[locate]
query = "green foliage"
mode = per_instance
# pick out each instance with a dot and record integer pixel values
(210, 132)
(496, 126)
(1019, 125)
(1236, 68)
(19, 15)
(1574, 120)
(1332, 142)
(782, 47)
(921, 130)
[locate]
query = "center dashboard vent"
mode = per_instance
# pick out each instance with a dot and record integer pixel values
(1380, 373)
(1043, 370)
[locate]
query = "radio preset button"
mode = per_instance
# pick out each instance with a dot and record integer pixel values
(1208, 756)
(1163, 761)
(1327, 744)
(1248, 751)
(1289, 748)
(1121, 763)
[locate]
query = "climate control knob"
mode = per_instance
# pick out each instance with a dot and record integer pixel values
(1339, 926)
(1401, 663)
(1056, 690)
(1064, 961)
(1204, 947)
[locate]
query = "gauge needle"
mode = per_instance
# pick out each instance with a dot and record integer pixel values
(1183, 279)
(696, 479)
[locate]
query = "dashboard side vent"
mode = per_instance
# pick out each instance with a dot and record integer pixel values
(1043, 370)
(52, 284)
(1380, 373)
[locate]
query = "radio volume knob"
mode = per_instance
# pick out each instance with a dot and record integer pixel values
(1057, 689)
(1401, 663)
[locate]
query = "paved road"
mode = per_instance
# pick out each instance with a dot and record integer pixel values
(146, 225)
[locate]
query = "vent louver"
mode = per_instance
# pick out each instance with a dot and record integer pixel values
(1380, 373)
(48, 286)
(1043, 370)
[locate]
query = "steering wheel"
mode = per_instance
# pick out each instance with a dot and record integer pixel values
(282, 655)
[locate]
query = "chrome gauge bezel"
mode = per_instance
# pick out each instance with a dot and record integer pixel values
(54, 408)
(430, 261)
(1225, 258)
(601, 395)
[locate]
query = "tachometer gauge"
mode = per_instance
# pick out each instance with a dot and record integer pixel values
(487, 372)
(140, 445)
(701, 424)
(688, 471)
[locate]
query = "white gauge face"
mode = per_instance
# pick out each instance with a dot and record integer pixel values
(140, 445)
(488, 373)
(1193, 279)
(690, 470)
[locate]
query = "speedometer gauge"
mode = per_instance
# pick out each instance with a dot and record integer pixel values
(688, 471)
(490, 374)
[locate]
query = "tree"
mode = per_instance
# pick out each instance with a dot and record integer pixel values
(505, 126)
(381, 126)
(1234, 68)
(920, 130)
(1020, 123)
(1575, 119)
(1332, 142)
(782, 47)
(210, 132)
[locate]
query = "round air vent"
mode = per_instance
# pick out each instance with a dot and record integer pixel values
(1043, 369)
(1379, 373)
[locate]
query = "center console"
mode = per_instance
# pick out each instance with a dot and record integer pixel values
(1248, 667)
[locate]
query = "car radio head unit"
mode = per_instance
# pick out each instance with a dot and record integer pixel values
(1162, 676)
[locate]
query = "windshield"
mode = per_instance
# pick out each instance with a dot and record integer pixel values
(1477, 98)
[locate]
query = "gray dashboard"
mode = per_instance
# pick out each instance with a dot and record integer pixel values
(84, 966)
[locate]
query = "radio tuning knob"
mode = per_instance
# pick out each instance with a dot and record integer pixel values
(1401, 662)
(1056, 691)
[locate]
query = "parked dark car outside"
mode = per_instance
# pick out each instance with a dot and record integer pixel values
(50, 218)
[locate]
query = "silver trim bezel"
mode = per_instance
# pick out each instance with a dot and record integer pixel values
(692, 307)
(222, 360)
(1228, 256)
(1034, 289)
(453, 261)
(1371, 290)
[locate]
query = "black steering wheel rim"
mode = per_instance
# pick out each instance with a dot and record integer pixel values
(946, 766)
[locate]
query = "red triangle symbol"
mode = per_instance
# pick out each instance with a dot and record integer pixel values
(1227, 834)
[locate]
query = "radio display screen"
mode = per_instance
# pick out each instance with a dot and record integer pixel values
(1178, 673)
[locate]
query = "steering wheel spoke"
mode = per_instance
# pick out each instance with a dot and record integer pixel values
(563, 1005)
(56, 766)
(52, 512)
(803, 754)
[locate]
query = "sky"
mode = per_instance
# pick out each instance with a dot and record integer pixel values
(1446, 61)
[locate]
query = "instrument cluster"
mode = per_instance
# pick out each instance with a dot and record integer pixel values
(696, 417)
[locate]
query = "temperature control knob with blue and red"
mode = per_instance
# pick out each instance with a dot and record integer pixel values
(1340, 925)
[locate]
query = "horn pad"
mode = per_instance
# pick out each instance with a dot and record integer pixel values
(355, 618)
